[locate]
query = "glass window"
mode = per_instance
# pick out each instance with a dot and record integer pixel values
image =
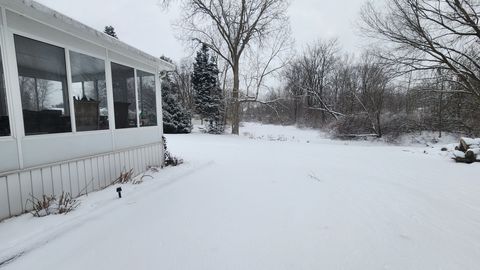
(43, 87)
(147, 103)
(124, 98)
(4, 120)
(89, 92)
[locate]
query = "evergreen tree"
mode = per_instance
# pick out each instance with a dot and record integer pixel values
(110, 30)
(208, 95)
(201, 83)
(216, 109)
(176, 118)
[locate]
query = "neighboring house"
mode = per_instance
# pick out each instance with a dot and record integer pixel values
(77, 107)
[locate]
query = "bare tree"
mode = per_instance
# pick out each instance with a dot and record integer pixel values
(373, 83)
(182, 77)
(319, 63)
(309, 79)
(431, 35)
(293, 87)
(230, 28)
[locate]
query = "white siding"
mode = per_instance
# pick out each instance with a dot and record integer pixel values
(75, 176)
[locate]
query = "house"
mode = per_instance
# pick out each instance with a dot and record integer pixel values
(77, 107)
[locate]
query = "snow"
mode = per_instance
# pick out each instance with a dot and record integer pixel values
(459, 154)
(273, 198)
(470, 141)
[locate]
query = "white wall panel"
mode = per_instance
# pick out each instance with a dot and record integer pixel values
(82, 180)
(37, 185)
(47, 181)
(14, 193)
(57, 180)
(8, 155)
(4, 207)
(26, 189)
(65, 177)
(44, 149)
(103, 171)
(89, 175)
(112, 173)
(75, 182)
(96, 172)
(142, 136)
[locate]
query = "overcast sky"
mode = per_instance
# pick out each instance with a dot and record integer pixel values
(143, 24)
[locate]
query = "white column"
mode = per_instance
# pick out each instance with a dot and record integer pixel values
(136, 96)
(158, 96)
(110, 101)
(70, 90)
(12, 87)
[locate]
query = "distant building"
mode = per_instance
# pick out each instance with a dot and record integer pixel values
(77, 106)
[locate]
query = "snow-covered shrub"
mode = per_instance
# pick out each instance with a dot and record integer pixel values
(352, 125)
(170, 160)
(392, 126)
(217, 126)
(396, 125)
(50, 205)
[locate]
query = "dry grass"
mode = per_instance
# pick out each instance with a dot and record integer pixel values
(125, 177)
(50, 205)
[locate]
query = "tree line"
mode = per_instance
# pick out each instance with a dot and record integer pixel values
(420, 72)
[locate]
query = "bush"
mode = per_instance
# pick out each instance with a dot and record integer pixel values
(50, 205)
(392, 125)
(170, 160)
(352, 125)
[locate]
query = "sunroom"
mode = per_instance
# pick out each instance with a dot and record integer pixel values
(77, 107)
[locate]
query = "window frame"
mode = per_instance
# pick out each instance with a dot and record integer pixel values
(135, 68)
(136, 92)
(107, 58)
(156, 98)
(107, 89)
(8, 95)
(12, 33)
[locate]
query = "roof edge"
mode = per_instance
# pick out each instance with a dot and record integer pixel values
(91, 32)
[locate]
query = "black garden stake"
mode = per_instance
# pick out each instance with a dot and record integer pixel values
(119, 191)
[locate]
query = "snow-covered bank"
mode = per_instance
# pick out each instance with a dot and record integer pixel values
(292, 133)
(304, 202)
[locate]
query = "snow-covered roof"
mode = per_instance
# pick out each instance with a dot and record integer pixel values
(62, 22)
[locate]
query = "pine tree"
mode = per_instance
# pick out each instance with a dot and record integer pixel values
(110, 30)
(208, 95)
(216, 110)
(176, 118)
(200, 83)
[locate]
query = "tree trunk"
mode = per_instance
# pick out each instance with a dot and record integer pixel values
(379, 127)
(471, 155)
(236, 102)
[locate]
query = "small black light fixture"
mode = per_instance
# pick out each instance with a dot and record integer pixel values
(119, 191)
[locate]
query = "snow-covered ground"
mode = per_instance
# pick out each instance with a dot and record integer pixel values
(274, 198)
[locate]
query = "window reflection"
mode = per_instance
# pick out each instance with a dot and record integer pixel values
(89, 91)
(147, 99)
(4, 120)
(124, 96)
(43, 86)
